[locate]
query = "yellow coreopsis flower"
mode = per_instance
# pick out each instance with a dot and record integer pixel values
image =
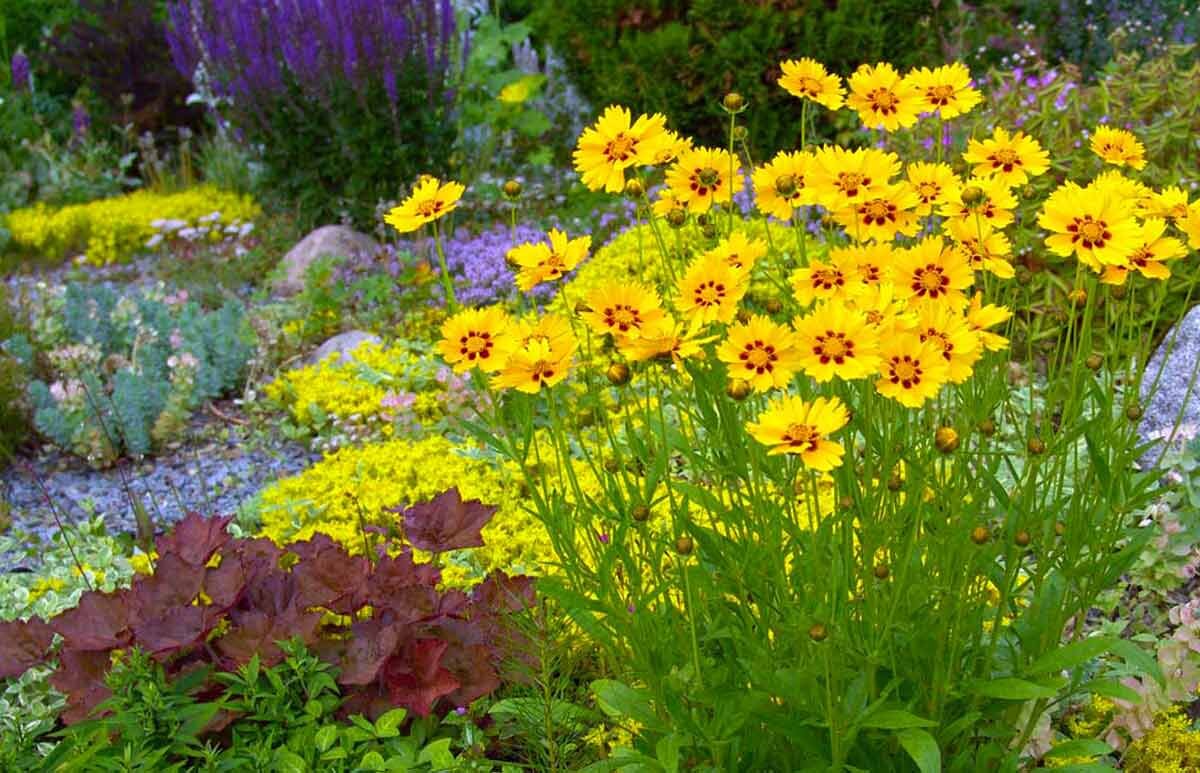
(1010, 158)
(836, 340)
(882, 99)
(837, 277)
(933, 271)
(808, 79)
(664, 337)
(1171, 203)
(738, 251)
(948, 328)
(872, 262)
(666, 201)
(791, 425)
(781, 185)
(946, 89)
(670, 148)
(621, 307)
(471, 339)
(1097, 227)
(1191, 226)
(984, 247)
(710, 289)
(1112, 182)
(554, 330)
(429, 200)
(881, 216)
(534, 366)
(995, 206)
(884, 310)
(1118, 147)
(538, 262)
(933, 183)
(701, 178)
(615, 143)
(1150, 257)
(912, 370)
(981, 317)
(841, 178)
(762, 352)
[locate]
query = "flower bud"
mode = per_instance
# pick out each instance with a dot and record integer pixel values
(618, 374)
(581, 307)
(980, 535)
(1035, 446)
(676, 217)
(641, 513)
(612, 466)
(743, 316)
(1077, 297)
(1022, 538)
(774, 306)
(738, 389)
(1029, 193)
(972, 195)
(818, 632)
(684, 546)
(634, 188)
(881, 571)
(1117, 291)
(987, 427)
(734, 102)
(846, 503)
(512, 189)
(895, 483)
(1133, 412)
(739, 133)
(709, 231)
(1060, 528)
(1093, 362)
(946, 440)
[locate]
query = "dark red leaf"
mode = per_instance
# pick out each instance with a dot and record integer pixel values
(371, 643)
(174, 630)
(401, 571)
(23, 644)
(80, 676)
(256, 632)
(328, 576)
(447, 522)
(415, 678)
(174, 583)
(100, 622)
(224, 584)
(472, 667)
(195, 538)
(500, 591)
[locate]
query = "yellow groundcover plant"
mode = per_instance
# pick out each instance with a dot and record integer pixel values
(114, 229)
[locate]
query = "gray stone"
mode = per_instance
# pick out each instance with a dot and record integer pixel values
(329, 241)
(1164, 390)
(342, 344)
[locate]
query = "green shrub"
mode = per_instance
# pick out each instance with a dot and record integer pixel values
(14, 424)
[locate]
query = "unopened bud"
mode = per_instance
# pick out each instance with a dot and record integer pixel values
(734, 102)
(641, 513)
(946, 440)
(980, 535)
(738, 389)
(512, 189)
(676, 217)
(684, 546)
(818, 632)
(634, 188)
(618, 374)
(1094, 361)
(1022, 539)
(972, 195)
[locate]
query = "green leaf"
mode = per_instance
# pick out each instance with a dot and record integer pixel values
(1110, 688)
(1013, 689)
(372, 760)
(1080, 747)
(667, 751)
(388, 726)
(438, 754)
(287, 761)
(923, 749)
(895, 719)
(1140, 659)
(325, 737)
(621, 700)
(1072, 655)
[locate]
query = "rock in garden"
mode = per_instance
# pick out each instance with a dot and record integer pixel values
(1165, 384)
(343, 344)
(330, 241)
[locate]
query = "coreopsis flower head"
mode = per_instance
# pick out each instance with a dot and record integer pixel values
(738, 251)
(430, 200)
(994, 207)
(701, 178)
(1010, 158)
(948, 328)
(762, 352)
(882, 99)
(841, 178)
(615, 143)
(671, 148)
(474, 338)
(808, 79)
(538, 262)
(710, 290)
(621, 307)
(882, 215)
(946, 89)
(933, 183)
(931, 270)
(984, 247)
(835, 339)
(664, 338)
(791, 425)
(1191, 226)
(1170, 203)
(981, 318)
(668, 201)
(886, 312)
(912, 370)
(1118, 147)
(554, 330)
(533, 366)
(1097, 226)
(872, 262)
(1114, 183)
(835, 277)
(781, 185)
(1149, 258)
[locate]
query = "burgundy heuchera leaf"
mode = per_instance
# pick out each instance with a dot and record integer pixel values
(23, 644)
(447, 522)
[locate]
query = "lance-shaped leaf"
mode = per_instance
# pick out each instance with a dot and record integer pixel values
(447, 522)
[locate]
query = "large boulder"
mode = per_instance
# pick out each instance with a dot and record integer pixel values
(342, 344)
(1165, 387)
(329, 241)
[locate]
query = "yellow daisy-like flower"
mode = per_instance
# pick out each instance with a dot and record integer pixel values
(912, 370)
(430, 200)
(1010, 158)
(762, 352)
(701, 178)
(615, 143)
(841, 178)
(1191, 226)
(738, 251)
(670, 148)
(791, 425)
(808, 79)
(540, 262)
(949, 329)
(946, 89)
(932, 183)
(534, 366)
(981, 317)
(836, 340)
(881, 216)
(872, 262)
(1112, 182)
(554, 330)
(621, 308)
(933, 271)
(665, 338)
(1096, 227)
(471, 339)
(781, 185)
(885, 311)
(882, 99)
(995, 207)
(1118, 147)
(837, 277)
(984, 247)
(710, 290)
(1149, 258)
(1171, 203)
(666, 201)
